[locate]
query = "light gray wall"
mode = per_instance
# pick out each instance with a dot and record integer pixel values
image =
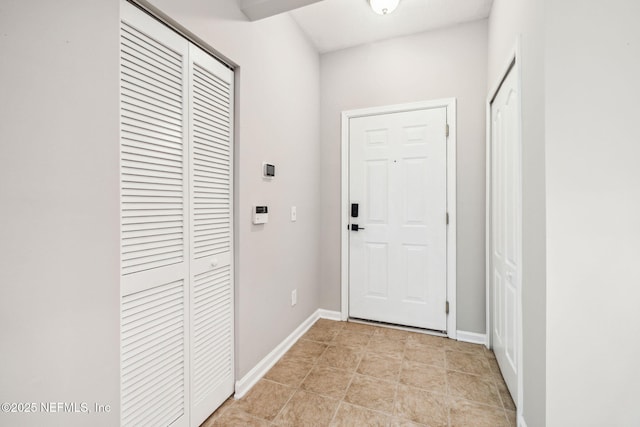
(439, 64)
(278, 121)
(59, 219)
(508, 19)
(592, 60)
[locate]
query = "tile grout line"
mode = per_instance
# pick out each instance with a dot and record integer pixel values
(395, 396)
(353, 375)
(298, 387)
(446, 380)
(495, 383)
(315, 363)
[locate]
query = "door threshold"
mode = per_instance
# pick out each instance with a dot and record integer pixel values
(399, 327)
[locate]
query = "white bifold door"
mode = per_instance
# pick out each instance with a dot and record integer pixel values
(505, 236)
(398, 236)
(176, 227)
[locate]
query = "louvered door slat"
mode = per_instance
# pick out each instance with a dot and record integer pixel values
(207, 91)
(132, 242)
(152, 145)
(134, 136)
(220, 151)
(133, 104)
(215, 99)
(141, 89)
(216, 164)
(151, 49)
(215, 84)
(211, 113)
(134, 94)
(133, 214)
(150, 120)
(211, 331)
(137, 73)
(152, 367)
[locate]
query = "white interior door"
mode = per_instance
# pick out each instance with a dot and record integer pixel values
(398, 255)
(210, 147)
(154, 215)
(176, 211)
(506, 237)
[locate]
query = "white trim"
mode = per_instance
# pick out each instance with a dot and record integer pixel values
(245, 384)
(450, 105)
(472, 337)
(344, 218)
(515, 58)
(521, 422)
(329, 314)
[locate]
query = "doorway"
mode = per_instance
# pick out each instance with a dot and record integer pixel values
(398, 237)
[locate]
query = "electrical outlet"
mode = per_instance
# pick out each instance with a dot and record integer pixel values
(294, 297)
(294, 213)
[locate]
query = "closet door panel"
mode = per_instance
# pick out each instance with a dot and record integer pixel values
(176, 226)
(210, 142)
(154, 223)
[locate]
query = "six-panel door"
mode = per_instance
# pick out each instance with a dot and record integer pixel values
(397, 258)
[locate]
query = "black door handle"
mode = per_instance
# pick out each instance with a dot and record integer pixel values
(355, 227)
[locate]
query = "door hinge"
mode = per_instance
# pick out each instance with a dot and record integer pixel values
(447, 132)
(447, 218)
(447, 308)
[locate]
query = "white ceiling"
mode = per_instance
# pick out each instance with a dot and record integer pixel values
(338, 24)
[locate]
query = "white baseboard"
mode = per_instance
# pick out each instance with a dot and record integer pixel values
(245, 384)
(329, 314)
(521, 421)
(471, 337)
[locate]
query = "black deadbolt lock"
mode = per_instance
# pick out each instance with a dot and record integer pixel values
(354, 210)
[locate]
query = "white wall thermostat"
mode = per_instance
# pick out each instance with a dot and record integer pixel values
(268, 170)
(260, 214)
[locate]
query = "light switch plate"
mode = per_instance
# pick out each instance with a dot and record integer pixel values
(294, 213)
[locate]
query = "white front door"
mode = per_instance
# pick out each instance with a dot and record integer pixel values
(505, 229)
(398, 255)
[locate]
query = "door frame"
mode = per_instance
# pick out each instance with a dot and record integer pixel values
(512, 64)
(450, 105)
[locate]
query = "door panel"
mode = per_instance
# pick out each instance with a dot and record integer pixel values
(176, 227)
(377, 278)
(210, 145)
(154, 220)
(377, 178)
(397, 269)
(505, 229)
(414, 273)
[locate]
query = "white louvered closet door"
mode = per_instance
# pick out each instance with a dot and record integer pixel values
(176, 253)
(154, 227)
(210, 136)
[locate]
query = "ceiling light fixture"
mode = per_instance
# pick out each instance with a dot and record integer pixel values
(383, 7)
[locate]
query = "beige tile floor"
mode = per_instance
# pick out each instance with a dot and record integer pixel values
(351, 374)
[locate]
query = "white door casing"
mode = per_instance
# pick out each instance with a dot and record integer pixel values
(399, 169)
(176, 212)
(505, 237)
